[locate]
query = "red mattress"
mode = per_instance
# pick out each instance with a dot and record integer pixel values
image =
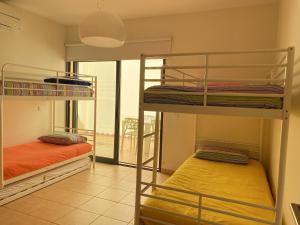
(26, 158)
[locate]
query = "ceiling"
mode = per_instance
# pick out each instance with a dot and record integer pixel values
(70, 12)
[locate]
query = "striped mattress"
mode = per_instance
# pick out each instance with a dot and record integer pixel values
(24, 88)
(187, 96)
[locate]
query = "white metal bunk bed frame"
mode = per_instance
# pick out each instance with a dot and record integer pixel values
(286, 69)
(75, 164)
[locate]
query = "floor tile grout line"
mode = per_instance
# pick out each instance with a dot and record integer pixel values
(123, 178)
(28, 214)
(97, 216)
(67, 189)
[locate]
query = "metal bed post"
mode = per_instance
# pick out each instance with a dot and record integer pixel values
(156, 148)
(53, 116)
(205, 81)
(1, 129)
(53, 103)
(284, 135)
(140, 144)
(200, 209)
(261, 138)
(95, 124)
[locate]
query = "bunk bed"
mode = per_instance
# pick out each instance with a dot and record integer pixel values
(31, 166)
(210, 192)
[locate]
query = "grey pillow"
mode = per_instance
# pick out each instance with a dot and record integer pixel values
(222, 154)
(63, 139)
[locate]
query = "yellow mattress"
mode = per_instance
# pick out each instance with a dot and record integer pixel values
(239, 182)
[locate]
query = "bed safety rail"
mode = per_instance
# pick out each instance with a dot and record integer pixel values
(201, 207)
(29, 81)
(177, 72)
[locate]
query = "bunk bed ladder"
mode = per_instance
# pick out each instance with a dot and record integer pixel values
(140, 144)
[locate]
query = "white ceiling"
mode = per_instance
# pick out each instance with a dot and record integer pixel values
(70, 12)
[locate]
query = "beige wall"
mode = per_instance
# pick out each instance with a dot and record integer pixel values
(289, 35)
(39, 43)
(231, 129)
(230, 29)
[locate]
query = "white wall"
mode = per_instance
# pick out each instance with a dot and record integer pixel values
(229, 29)
(289, 35)
(39, 43)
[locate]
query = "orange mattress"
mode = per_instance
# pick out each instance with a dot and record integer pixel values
(29, 157)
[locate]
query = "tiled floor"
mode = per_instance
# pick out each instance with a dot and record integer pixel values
(105, 148)
(104, 196)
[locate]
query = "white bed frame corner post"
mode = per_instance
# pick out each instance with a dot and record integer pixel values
(284, 135)
(205, 81)
(140, 143)
(95, 124)
(53, 127)
(1, 129)
(156, 149)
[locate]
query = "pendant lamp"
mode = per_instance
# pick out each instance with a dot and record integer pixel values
(102, 29)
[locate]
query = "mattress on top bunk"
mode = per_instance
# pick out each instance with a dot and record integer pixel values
(239, 182)
(29, 157)
(163, 95)
(21, 88)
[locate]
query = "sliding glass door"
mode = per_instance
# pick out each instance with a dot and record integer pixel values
(117, 109)
(130, 83)
(107, 107)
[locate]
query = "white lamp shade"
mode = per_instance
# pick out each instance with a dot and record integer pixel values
(102, 29)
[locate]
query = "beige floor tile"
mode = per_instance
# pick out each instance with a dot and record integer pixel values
(86, 176)
(77, 217)
(162, 177)
(62, 196)
(81, 187)
(107, 221)
(121, 212)
(129, 199)
(41, 208)
(25, 204)
(132, 177)
(11, 217)
(95, 179)
(48, 210)
(113, 171)
(97, 205)
(58, 203)
(113, 194)
(99, 165)
(124, 185)
(116, 176)
(147, 177)
(126, 169)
